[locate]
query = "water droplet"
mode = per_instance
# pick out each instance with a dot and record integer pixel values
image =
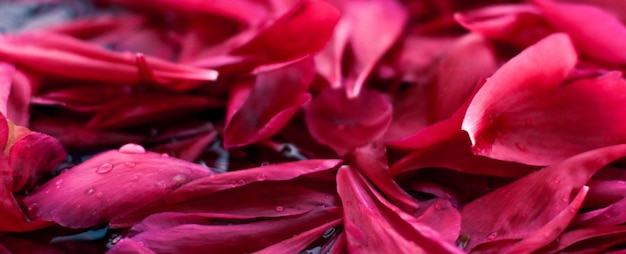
(132, 149)
(58, 183)
(90, 191)
(164, 155)
(104, 168)
(565, 199)
(492, 236)
(279, 209)
(130, 164)
(556, 180)
(260, 177)
(437, 206)
(241, 182)
(521, 147)
(212, 176)
(179, 179)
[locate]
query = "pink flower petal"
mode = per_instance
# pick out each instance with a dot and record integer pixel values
(33, 154)
(521, 209)
(170, 233)
(373, 225)
(6, 77)
(285, 40)
(101, 188)
(344, 124)
(455, 153)
(274, 99)
(300, 241)
(596, 33)
(374, 27)
(149, 108)
(18, 109)
(494, 124)
(371, 161)
(589, 240)
(273, 172)
(518, 24)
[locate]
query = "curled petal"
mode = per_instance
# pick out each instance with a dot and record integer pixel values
(596, 33)
(373, 225)
(489, 118)
(521, 209)
(274, 99)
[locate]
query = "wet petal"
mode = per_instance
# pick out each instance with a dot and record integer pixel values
(274, 99)
(522, 78)
(515, 212)
(344, 124)
(273, 172)
(300, 241)
(101, 188)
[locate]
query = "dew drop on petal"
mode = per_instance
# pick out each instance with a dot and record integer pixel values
(130, 164)
(556, 180)
(260, 177)
(492, 236)
(437, 206)
(58, 183)
(164, 155)
(241, 182)
(279, 209)
(90, 191)
(104, 168)
(132, 149)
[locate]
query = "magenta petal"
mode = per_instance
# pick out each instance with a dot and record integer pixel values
(373, 225)
(596, 33)
(18, 109)
(262, 199)
(286, 40)
(171, 234)
(229, 180)
(103, 187)
(149, 108)
(374, 27)
(6, 77)
(344, 124)
(129, 246)
(518, 24)
(455, 153)
(300, 241)
(274, 99)
(522, 208)
(589, 240)
(32, 154)
(551, 230)
(521, 79)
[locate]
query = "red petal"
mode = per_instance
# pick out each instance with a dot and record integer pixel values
(589, 240)
(520, 25)
(596, 33)
(286, 40)
(102, 187)
(521, 79)
(273, 172)
(374, 27)
(33, 154)
(6, 77)
(520, 209)
(299, 242)
(171, 234)
(343, 123)
(455, 153)
(274, 99)
(373, 225)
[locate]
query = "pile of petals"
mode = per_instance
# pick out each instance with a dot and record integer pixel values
(312, 126)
